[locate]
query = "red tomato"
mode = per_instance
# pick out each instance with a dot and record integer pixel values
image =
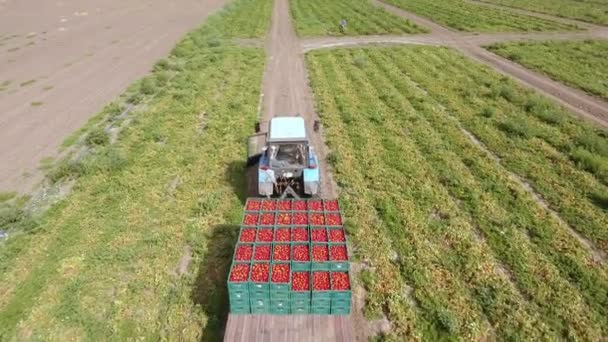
(280, 273)
(336, 235)
(301, 253)
(300, 281)
(260, 272)
(253, 205)
(330, 205)
(320, 253)
(320, 281)
(240, 272)
(339, 281)
(247, 235)
(262, 252)
(243, 252)
(338, 253)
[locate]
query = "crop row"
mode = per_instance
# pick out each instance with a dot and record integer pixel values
(587, 10)
(466, 16)
(582, 64)
(482, 257)
(320, 18)
(90, 268)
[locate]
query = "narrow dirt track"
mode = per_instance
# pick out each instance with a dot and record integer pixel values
(71, 57)
(285, 86)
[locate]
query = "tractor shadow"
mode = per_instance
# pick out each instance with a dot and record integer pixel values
(244, 180)
(210, 291)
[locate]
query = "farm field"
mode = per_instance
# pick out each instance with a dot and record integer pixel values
(62, 61)
(322, 18)
(454, 233)
(137, 248)
(579, 64)
(592, 11)
(469, 17)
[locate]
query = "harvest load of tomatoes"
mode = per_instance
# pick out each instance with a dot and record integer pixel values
(243, 253)
(262, 252)
(300, 281)
(260, 272)
(320, 253)
(320, 281)
(239, 273)
(280, 273)
(340, 281)
(301, 253)
(247, 235)
(337, 235)
(338, 252)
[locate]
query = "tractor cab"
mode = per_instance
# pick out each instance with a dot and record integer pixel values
(286, 162)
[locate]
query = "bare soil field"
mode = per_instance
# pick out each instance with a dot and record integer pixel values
(61, 61)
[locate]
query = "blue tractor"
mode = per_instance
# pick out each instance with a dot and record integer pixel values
(285, 160)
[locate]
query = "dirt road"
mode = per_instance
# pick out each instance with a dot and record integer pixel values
(61, 61)
(285, 88)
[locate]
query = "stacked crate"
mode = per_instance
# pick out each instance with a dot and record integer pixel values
(291, 258)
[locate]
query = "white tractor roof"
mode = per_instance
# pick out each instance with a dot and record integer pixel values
(288, 128)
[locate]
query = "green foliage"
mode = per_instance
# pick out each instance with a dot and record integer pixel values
(582, 64)
(585, 10)
(97, 137)
(466, 16)
(323, 18)
(478, 250)
(7, 196)
(591, 162)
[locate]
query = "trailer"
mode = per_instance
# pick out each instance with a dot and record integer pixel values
(290, 273)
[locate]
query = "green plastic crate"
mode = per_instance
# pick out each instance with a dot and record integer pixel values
(259, 294)
(345, 295)
(239, 302)
(259, 303)
(320, 301)
(340, 303)
(279, 303)
(245, 309)
(260, 311)
(259, 286)
(319, 265)
(237, 294)
(279, 310)
(280, 287)
(300, 265)
(338, 265)
(300, 310)
(340, 311)
(299, 295)
(320, 310)
(341, 295)
(240, 285)
(299, 302)
(280, 295)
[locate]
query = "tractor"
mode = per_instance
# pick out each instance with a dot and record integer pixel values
(284, 159)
